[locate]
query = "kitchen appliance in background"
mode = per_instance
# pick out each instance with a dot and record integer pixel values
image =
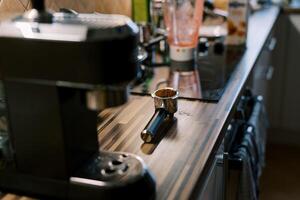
(206, 81)
(157, 15)
(141, 16)
(199, 68)
(59, 70)
(145, 14)
(182, 21)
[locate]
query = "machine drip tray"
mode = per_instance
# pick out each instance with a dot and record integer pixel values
(107, 176)
(119, 176)
(113, 168)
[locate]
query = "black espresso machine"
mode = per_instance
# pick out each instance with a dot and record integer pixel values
(59, 70)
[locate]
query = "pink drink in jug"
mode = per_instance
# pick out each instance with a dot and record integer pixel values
(183, 19)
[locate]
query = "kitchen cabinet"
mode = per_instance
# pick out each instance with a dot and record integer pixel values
(214, 185)
(263, 70)
(223, 182)
(284, 98)
(291, 98)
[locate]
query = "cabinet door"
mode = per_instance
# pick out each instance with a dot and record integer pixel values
(213, 188)
(275, 100)
(291, 95)
(263, 70)
(285, 98)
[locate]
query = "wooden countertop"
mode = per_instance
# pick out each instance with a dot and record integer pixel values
(180, 158)
(178, 161)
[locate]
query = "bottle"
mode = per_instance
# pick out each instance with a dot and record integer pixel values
(237, 22)
(141, 11)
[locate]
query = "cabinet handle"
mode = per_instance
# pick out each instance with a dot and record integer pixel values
(272, 44)
(269, 73)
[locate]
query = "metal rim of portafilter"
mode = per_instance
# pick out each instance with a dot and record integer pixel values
(165, 102)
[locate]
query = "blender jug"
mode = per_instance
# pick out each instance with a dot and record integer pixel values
(183, 19)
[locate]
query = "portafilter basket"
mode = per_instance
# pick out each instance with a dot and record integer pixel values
(165, 102)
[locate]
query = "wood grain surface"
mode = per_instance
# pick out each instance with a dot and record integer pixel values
(179, 159)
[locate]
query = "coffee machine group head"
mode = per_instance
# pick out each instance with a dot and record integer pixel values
(59, 70)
